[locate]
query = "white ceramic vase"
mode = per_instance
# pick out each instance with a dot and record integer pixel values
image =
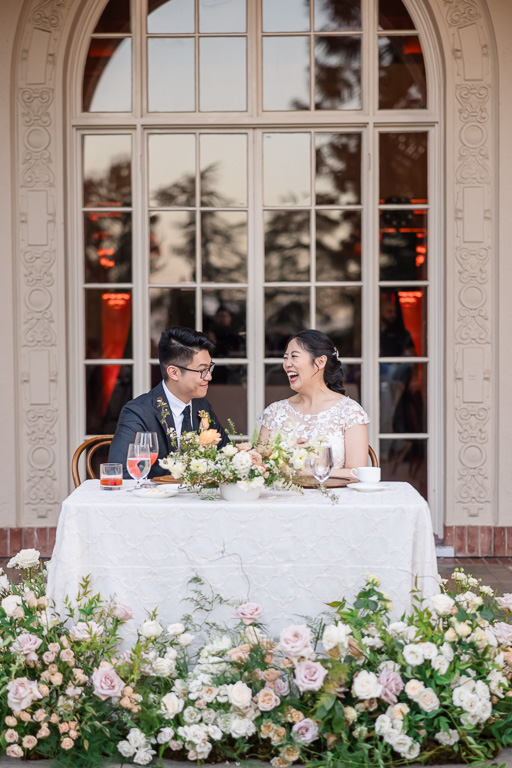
(233, 492)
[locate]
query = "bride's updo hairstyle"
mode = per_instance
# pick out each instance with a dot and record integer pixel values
(317, 344)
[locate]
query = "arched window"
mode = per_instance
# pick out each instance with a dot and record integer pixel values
(252, 169)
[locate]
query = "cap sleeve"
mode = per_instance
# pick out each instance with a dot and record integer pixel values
(355, 415)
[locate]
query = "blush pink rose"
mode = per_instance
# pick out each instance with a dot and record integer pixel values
(249, 612)
(107, 682)
(295, 641)
(86, 630)
(502, 632)
(21, 693)
(122, 611)
(392, 685)
(282, 686)
(309, 675)
(306, 731)
(27, 644)
(267, 700)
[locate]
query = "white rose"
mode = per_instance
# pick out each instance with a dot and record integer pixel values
(125, 749)
(429, 650)
(336, 636)
(163, 667)
(241, 727)
(11, 605)
(185, 639)
(410, 633)
(26, 558)
(441, 604)
(413, 655)
(383, 725)
(191, 715)
(242, 463)
(165, 735)
(229, 450)
(396, 628)
(447, 739)
(150, 629)
(171, 705)
(447, 651)
(428, 700)
(240, 695)
(462, 629)
(413, 751)
(413, 688)
(440, 664)
(366, 685)
(175, 629)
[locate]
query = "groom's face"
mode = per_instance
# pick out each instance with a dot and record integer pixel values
(188, 384)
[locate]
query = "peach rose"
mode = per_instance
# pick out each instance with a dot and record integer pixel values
(67, 743)
(29, 742)
(271, 675)
(14, 750)
(43, 732)
(244, 446)
(209, 437)
(267, 700)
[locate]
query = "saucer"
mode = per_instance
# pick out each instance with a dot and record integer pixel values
(155, 493)
(369, 487)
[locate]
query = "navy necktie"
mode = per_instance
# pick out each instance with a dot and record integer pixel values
(186, 425)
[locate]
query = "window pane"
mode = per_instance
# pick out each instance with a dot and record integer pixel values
(170, 306)
(228, 395)
(338, 245)
(171, 75)
(223, 170)
(107, 85)
(108, 323)
(405, 461)
(337, 15)
(108, 247)
(338, 72)
(352, 380)
(286, 16)
(403, 322)
(276, 383)
(222, 74)
(403, 167)
(403, 245)
(402, 77)
(338, 168)
(285, 73)
(172, 170)
(403, 397)
(224, 246)
(228, 16)
(107, 388)
(286, 169)
(338, 314)
(172, 247)
(107, 170)
(393, 15)
(115, 17)
(287, 245)
(174, 16)
(286, 313)
(225, 320)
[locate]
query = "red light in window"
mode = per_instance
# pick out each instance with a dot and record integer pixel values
(107, 263)
(408, 298)
(116, 300)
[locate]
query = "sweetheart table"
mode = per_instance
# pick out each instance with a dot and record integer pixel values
(290, 552)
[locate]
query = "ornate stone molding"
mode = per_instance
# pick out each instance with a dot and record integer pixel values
(471, 294)
(41, 294)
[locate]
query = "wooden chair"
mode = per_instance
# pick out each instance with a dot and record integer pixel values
(373, 457)
(90, 446)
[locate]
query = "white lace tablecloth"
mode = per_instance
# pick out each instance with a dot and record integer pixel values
(292, 553)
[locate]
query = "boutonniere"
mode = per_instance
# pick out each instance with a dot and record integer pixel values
(204, 420)
(163, 407)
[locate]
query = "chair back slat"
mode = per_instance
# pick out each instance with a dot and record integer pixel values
(90, 446)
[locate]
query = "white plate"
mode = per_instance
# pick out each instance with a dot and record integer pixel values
(368, 487)
(155, 493)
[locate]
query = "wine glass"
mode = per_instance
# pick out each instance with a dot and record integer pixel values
(321, 463)
(138, 463)
(150, 440)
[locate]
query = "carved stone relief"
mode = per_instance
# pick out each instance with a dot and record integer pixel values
(472, 291)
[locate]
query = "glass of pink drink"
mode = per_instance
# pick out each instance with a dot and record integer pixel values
(138, 463)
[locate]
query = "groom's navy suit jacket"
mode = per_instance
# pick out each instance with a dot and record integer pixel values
(144, 415)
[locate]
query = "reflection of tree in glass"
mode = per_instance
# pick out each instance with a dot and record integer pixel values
(114, 189)
(286, 245)
(222, 238)
(403, 167)
(402, 83)
(338, 168)
(338, 253)
(339, 14)
(337, 72)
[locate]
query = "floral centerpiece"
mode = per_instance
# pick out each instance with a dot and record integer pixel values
(350, 688)
(249, 466)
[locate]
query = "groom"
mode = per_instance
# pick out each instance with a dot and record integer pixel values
(186, 365)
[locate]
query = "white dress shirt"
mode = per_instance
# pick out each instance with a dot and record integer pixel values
(177, 406)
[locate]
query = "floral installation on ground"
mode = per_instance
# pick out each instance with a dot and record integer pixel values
(351, 688)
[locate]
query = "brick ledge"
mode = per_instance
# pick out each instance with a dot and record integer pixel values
(479, 540)
(14, 539)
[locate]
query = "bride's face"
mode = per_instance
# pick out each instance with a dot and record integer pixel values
(301, 370)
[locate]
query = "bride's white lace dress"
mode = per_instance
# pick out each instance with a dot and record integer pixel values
(331, 424)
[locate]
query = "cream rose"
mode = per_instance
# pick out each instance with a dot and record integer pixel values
(441, 604)
(413, 688)
(150, 629)
(171, 705)
(366, 685)
(240, 695)
(12, 606)
(336, 636)
(428, 700)
(26, 558)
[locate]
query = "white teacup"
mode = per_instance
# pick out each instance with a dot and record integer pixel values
(366, 474)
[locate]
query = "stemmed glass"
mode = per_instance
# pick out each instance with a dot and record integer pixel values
(150, 440)
(321, 463)
(138, 463)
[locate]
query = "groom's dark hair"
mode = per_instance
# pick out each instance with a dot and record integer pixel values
(178, 345)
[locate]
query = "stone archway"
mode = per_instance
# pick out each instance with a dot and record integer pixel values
(40, 259)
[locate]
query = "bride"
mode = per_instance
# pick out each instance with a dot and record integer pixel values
(319, 408)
